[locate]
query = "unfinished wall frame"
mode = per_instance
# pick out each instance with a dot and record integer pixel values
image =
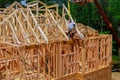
(34, 46)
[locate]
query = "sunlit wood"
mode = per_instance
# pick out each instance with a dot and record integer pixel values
(34, 45)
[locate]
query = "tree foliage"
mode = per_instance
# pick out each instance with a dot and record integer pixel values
(5, 3)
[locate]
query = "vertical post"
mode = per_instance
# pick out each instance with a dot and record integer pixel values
(57, 11)
(110, 49)
(83, 56)
(63, 10)
(96, 53)
(37, 6)
(58, 62)
(38, 56)
(13, 64)
(46, 15)
(6, 68)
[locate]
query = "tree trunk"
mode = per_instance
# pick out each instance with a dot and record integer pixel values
(119, 39)
(119, 53)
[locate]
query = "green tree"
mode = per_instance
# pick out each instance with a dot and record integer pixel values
(5, 3)
(114, 16)
(86, 14)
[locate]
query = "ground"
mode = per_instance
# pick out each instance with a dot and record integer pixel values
(116, 76)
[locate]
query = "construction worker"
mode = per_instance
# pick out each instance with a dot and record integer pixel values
(71, 26)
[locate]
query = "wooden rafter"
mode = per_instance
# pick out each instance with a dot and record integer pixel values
(34, 45)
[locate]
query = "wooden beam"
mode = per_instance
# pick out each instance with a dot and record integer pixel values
(23, 32)
(53, 6)
(31, 5)
(30, 26)
(58, 25)
(15, 36)
(9, 16)
(38, 27)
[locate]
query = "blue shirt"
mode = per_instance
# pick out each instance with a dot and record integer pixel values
(71, 25)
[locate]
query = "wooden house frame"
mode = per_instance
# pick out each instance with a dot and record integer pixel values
(34, 46)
